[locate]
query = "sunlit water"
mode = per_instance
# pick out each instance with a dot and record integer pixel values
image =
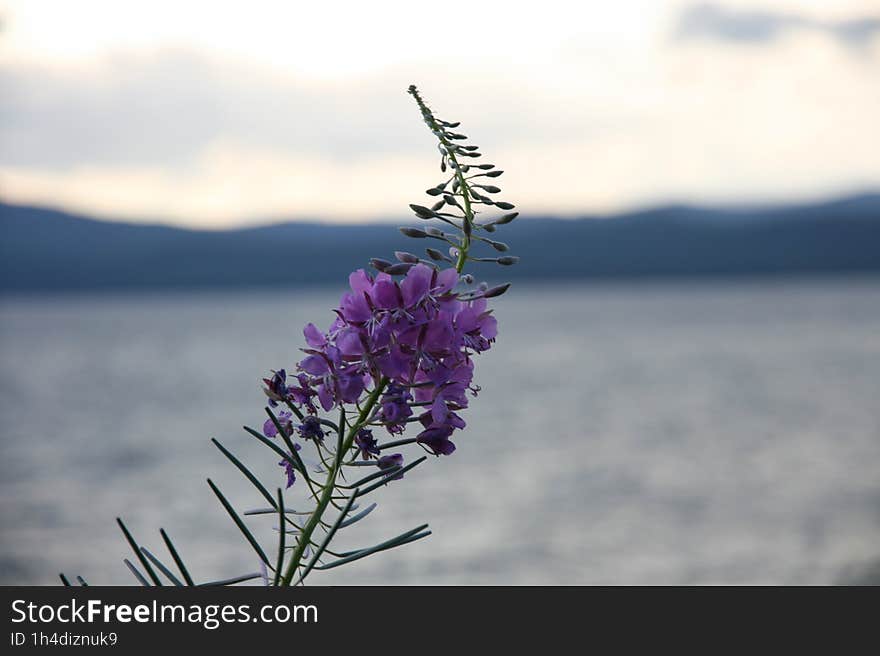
(626, 433)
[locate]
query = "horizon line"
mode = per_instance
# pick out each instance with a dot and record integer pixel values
(242, 224)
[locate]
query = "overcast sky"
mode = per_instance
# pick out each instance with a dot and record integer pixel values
(212, 113)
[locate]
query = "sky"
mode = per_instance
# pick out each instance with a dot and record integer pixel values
(214, 114)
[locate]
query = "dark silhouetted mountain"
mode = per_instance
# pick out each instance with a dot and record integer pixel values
(42, 249)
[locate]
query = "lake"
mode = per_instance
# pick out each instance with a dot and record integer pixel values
(627, 433)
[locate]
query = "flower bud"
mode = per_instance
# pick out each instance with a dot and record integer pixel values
(423, 212)
(436, 255)
(504, 205)
(399, 269)
(379, 264)
(415, 233)
(406, 257)
(498, 290)
(505, 218)
(507, 260)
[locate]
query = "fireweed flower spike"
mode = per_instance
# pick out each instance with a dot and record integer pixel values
(396, 356)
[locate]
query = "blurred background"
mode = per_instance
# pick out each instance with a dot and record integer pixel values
(685, 385)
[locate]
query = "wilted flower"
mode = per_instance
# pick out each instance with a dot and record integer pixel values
(436, 438)
(311, 429)
(289, 469)
(276, 387)
(390, 462)
(269, 428)
(367, 444)
(394, 409)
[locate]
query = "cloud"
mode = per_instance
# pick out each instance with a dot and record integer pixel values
(168, 106)
(585, 123)
(755, 26)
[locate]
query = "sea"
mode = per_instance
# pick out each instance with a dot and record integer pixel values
(656, 432)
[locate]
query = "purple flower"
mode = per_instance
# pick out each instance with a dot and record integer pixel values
(425, 283)
(436, 439)
(366, 443)
(269, 429)
(394, 409)
(302, 395)
(390, 462)
(413, 332)
(311, 429)
(276, 388)
(289, 469)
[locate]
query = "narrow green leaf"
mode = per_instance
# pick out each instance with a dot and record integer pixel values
(272, 511)
(327, 538)
(404, 538)
(233, 580)
(137, 574)
(293, 458)
(272, 446)
(392, 474)
(363, 513)
(244, 470)
(177, 559)
(340, 432)
(379, 473)
(281, 431)
(137, 552)
(281, 537)
(387, 543)
(391, 445)
(294, 410)
(241, 527)
(158, 563)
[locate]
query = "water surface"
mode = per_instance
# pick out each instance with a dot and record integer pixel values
(626, 433)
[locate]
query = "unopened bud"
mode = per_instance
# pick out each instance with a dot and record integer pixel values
(505, 218)
(436, 255)
(497, 290)
(422, 212)
(398, 269)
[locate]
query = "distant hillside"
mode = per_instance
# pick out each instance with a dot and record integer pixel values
(42, 249)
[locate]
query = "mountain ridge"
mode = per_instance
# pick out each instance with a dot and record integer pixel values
(51, 250)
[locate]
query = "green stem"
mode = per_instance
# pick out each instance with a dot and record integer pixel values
(459, 175)
(330, 483)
